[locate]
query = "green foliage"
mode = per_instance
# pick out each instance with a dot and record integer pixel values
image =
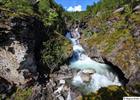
(50, 19)
(44, 6)
(22, 94)
(112, 93)
(55, 51)
(104, 5)
(51, 13)
(108, 93)
(108, 41)
(73, 17)
(19, 6)
(87, 33)
(2, 2)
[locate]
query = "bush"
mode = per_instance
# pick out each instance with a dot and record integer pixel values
(44, 6)
(22, 94)
(55, 51)
(19, 5)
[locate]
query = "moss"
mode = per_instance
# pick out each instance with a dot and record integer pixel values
(108, 93)
(93, 22)
(108, 41)
(113, 93)
(114, 38)
(135, 18)
(43, 6)
(22, 94)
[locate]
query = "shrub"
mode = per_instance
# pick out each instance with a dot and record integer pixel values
(19, 5)
(22, 94)
(55, 51)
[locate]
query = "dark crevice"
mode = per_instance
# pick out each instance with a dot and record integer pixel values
(6, 87)
(118, 71)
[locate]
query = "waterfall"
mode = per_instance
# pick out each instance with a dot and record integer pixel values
(87, 82)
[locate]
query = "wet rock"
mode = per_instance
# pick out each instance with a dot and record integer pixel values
(85, 77)
(88, 71)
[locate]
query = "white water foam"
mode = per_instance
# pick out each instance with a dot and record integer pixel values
(103, 77)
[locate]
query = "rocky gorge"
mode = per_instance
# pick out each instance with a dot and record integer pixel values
(34, 53)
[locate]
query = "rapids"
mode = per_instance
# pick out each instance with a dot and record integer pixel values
(104, 74)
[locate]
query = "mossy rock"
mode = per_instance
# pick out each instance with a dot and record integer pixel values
(108, 41)
(108, 93)
(22, 94)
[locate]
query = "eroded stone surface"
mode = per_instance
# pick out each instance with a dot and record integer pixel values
(16, 67)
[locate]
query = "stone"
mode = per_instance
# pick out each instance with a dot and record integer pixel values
(62, 82)
(136, 31)
(61, 98)
(85, 77)
(95, 54)
(136, 8)
(17, 61)
(119, 10)
(88, 71)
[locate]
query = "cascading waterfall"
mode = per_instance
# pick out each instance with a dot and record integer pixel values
(102, 77)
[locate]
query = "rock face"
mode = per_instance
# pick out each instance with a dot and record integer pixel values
(17, 60)
(15, 64)
(21, 44)
(125, 56)
(121, 47)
